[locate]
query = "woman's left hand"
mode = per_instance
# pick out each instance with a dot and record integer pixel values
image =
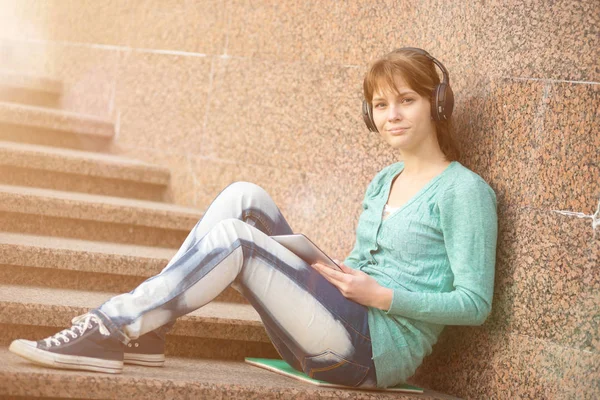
(357, 286)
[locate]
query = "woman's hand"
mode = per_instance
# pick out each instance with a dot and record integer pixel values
(357, 286)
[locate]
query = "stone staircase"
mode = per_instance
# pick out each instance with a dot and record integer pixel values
(78, 226)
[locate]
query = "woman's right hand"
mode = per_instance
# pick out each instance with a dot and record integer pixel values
(357, 286)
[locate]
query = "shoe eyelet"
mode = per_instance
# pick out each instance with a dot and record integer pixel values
(128, 344)
(66, 339)
(137, 345)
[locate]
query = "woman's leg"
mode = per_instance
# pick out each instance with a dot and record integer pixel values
(314, 327)
(241, 200)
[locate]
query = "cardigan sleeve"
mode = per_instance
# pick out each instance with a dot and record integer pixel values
(469, 224)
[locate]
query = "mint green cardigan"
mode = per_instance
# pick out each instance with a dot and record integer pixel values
(437, 252)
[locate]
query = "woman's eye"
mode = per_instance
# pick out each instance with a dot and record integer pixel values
(379, 105)
(409, 100)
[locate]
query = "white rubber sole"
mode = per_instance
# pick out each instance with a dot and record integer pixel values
(147, 360)
(27, 349)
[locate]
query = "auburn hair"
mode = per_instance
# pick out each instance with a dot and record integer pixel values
(419, 73)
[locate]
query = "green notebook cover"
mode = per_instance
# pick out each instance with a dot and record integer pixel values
(283, 368)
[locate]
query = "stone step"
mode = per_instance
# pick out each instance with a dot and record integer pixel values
(50, 127)
(180, 378)
(28, 89)
(94, 217)
(30, 81)
(79, 264)
(51, 307)
(217, 330)
(80, 171)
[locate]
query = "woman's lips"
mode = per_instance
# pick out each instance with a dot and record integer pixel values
(396, 131)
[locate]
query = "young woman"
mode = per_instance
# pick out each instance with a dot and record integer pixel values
(424, 258)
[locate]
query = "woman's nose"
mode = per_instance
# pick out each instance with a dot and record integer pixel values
(393, 113)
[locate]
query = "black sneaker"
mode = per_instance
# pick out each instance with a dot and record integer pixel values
(87, 345)
(147, 350)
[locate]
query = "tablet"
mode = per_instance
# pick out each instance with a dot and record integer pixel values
(304, 248)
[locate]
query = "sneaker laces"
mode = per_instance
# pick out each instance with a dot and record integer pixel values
(80, 324)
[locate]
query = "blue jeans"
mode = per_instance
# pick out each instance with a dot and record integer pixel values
(313, 327)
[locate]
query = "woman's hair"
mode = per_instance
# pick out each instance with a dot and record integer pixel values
(419, 73)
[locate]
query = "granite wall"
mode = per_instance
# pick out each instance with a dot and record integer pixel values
(270, 91)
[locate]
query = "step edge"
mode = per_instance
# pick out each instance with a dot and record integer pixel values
(56, 120)
(112, 167)
(135, 212)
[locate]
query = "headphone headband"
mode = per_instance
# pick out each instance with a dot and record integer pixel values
(445, 75)
(442, 98)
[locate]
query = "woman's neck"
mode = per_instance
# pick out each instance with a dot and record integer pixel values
(425, 162)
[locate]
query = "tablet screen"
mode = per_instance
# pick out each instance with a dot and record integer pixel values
(304, 248)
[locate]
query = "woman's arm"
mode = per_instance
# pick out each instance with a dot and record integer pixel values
(469, 224)
(470, 227)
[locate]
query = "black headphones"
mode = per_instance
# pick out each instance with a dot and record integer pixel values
(442, 97)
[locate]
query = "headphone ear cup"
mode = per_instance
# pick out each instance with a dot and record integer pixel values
(442, 103)
(448, 102)
(367, 112)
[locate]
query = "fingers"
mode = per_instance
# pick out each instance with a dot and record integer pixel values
(322, 271)
(335, 277)
(347, 269)
(328, 271)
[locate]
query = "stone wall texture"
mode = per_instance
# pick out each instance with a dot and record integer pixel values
(270, 91)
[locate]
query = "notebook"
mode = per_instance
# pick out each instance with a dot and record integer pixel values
(283, 368)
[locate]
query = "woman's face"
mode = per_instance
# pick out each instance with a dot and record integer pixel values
(403, 119)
